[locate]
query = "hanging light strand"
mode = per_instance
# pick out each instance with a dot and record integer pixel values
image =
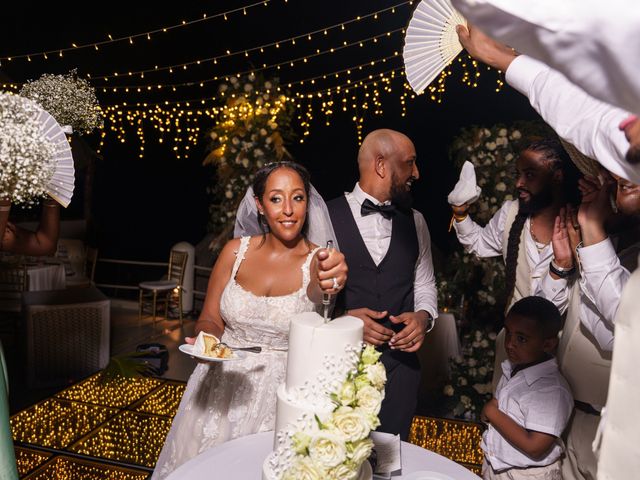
(131, 37)
(246, 51)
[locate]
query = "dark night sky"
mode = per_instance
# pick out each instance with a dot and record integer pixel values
(143, 206)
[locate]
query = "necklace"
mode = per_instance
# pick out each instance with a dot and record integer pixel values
(539, 245)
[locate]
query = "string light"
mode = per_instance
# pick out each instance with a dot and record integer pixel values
(131, 37)
(285, 63)
(246, 51)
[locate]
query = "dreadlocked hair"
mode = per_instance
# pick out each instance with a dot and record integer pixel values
(557, 158)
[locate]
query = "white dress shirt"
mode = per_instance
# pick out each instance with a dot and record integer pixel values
(376, 234)
(589, 124)
(488, 242)
(594, 43)
(602, 279)
(537, 398)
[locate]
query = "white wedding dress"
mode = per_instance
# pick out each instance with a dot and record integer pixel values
(226, 400)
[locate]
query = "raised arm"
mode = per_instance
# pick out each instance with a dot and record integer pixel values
(43, 241)
(210, 319)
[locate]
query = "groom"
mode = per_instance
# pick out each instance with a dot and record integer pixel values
(391, 284)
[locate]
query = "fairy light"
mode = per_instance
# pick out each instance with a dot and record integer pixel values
(130, 38)
(66, 468)
(28, 460)
(247, 51)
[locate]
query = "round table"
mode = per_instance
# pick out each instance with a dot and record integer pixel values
(242, 458)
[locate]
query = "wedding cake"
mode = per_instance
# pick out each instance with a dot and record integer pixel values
(328, 404)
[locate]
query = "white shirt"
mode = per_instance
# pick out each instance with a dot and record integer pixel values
(538, 398)
(589, 124)
(595, 43)
(488, 242)
(376, 234)
(602, 279)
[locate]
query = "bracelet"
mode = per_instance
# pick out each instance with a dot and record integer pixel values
(561, 272)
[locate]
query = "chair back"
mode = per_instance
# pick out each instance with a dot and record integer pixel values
(177, 265)
(90, 262)
(13, 281)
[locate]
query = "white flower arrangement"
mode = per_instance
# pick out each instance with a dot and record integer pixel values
(471, 375)
(252, 128)
(27, 160)
(336, 447)
(70, 100)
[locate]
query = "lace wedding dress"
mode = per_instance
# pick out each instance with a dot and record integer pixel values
(227, 400)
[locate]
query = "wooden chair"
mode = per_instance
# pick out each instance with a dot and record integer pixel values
(170, 289)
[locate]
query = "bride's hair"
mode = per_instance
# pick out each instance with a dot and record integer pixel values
(260, 184)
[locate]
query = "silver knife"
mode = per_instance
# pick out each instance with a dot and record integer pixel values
(326, 297)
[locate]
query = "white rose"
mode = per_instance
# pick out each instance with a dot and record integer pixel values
(466, 401)
(248, 87)
(235, 140)
(267, 85)
(347, 393)
(369, 399)
(482, 371)
(448, 390)
(502, 132)
(258, 153)
(516, 134)
(475, 344)
(492, 336)
(462, 381)
(327, 450)
(472, 362)
(343, 472)
(501, 187)
(213, 135)
(472, 372)
(376, 374)
(484, 343)
(228, 194)
(359, 451)
(304, 468)
(351, 423)
(490, 146)
(245, 162)
(263, 132)
(479, 387)
(508, 197)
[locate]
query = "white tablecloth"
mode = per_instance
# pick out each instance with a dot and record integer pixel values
(242, 459)
(440, 344)
(46, 277)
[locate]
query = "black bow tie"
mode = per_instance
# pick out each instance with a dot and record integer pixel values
(368, 207)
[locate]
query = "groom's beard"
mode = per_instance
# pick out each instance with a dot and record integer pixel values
(400, 193)
(536, 202)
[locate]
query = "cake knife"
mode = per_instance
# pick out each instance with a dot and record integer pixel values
(326, 297)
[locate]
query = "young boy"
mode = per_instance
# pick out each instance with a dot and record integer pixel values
(533, 402)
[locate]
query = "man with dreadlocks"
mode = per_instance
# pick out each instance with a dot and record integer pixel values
(521, 231)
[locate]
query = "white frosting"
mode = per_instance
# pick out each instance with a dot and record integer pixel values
(320, 357)
(198, 347)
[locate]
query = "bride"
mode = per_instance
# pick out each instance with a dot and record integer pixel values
(255, 287)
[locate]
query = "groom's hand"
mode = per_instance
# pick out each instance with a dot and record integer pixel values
(410, 338)
(374, 333)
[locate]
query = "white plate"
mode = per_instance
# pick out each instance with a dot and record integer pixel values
(188, 349)
(427, 475)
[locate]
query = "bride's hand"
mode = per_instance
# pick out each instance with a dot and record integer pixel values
(332, 270)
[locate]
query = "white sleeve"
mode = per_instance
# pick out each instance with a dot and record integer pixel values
(554, 290)
(589, 41)
(424, 282)
(589, 124)
(603, 278)
(483, 241)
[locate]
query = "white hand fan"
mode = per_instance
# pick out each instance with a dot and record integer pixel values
(60, 187)
(431, 42)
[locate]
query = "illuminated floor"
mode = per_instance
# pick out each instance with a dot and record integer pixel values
(116, 431)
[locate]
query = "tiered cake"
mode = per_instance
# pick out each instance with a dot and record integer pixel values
(328, 403)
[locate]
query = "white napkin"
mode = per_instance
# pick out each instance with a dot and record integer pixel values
(466, 190)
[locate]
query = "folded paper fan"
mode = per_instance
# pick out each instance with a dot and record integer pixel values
(431, 42)
(60, 187)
